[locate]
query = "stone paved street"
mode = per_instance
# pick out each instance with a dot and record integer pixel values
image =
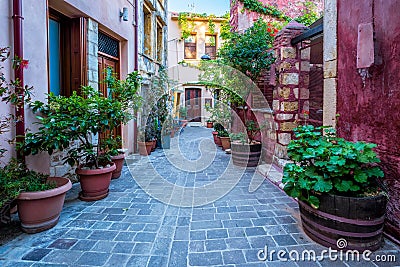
(212, 218)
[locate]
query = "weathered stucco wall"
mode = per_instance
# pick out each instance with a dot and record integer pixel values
(370, 111)
(241, 19)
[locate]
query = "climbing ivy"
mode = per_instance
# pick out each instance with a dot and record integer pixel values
(186, 22)
(257, 6)
(310, 14)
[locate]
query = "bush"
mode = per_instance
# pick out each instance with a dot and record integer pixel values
(329, 164)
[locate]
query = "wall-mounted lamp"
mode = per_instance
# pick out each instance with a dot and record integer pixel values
(124, 14)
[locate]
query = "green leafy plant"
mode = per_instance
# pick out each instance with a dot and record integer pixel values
(240, 137)
(223, 133)
(15, 178)
(310, 14)
(329, 164)
(78, 117)
(183, 112)
(252, 129)
(218, 127)
(250, 52)
(257, 6)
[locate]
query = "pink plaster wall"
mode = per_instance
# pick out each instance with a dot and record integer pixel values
(371, 112)
(243, 20)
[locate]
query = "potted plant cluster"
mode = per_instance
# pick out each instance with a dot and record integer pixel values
(210, 123)
(217, 128)
(39, 198)
(126, 93)
(83, 119)
(338, 186)
(246, 150)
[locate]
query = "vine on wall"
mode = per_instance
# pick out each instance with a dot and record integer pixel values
(309, 13)
(186, 22)
(269, 10)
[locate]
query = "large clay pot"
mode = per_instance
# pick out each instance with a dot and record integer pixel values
(225, 142)
(145, 148)
(119, 163)
(154, 145)
(94, 183)
(245, 155)
(215, 136)
(39, 211)
(358, 220)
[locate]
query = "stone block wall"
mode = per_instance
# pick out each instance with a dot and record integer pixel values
(290, 96)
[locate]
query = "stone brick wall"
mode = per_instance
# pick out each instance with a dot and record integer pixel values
(290, 97)
(92, 49)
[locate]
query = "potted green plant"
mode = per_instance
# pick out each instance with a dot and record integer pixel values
(39, 198)
(210, 123)
(166, 131)
(145, 142)
(83, 119)
(337, 184)
(183, 116)
(126, 93)
(217, 128)
(246, 150)
(225, 139)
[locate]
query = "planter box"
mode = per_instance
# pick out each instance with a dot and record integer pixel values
(358, 220)
(246, 155)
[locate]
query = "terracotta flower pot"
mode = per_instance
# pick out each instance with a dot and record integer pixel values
(215, 135)
(119, 163)
(226, 142)
(154, 145)
(145, 148)
(219, 143)
(39, 211)
(210, 124)
(94, 183)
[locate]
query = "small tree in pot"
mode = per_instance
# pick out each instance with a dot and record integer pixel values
(246, 150)
(27, 188)
(82, 118)
(126, 93)
(338, 188)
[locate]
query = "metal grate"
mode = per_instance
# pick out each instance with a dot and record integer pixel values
(108, 45)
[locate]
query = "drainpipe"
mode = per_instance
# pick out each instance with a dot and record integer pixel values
(136, 68)
(19, 73)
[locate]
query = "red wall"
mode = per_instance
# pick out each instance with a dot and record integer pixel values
(371, 112)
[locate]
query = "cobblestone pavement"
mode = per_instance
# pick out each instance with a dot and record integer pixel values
(133, 228)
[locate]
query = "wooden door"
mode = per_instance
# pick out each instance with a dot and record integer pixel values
(107, 66)
(193, 104)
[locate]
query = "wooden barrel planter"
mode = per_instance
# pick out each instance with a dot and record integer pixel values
(358, 220)
(246, 155)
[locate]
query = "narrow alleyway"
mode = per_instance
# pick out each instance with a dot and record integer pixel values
(183, 207)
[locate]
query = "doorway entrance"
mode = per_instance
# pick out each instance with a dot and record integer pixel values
(193, 104)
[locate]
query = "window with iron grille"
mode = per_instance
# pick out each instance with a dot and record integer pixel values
(108, 45)
(191, 47)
